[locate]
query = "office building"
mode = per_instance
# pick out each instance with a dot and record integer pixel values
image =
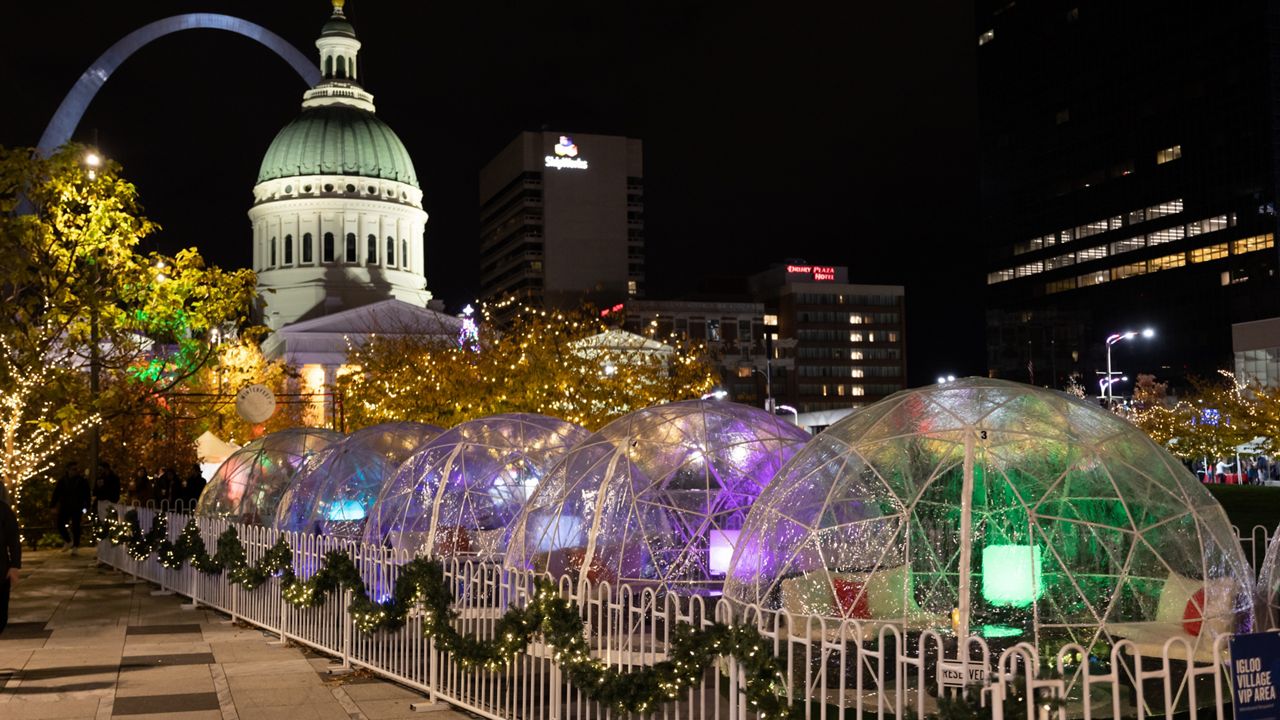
(835, 345)
(562, 220)
(1128, 180)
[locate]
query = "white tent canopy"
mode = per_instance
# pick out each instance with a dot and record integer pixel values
(212, 450)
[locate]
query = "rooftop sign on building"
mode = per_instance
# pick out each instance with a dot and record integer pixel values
(565, 156)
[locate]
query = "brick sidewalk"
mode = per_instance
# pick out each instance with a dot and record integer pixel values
(87, 642)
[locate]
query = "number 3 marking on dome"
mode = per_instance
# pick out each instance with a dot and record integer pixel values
(982, 434)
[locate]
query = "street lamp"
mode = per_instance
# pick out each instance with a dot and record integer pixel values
(1112, 340)
(795, 413)
(716, 395)
(944, 379)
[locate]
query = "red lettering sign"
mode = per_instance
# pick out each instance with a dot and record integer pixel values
(819, 273)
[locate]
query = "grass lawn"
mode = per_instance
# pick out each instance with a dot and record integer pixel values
(1249, 505)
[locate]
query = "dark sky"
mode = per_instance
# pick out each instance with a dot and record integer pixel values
(842, 133)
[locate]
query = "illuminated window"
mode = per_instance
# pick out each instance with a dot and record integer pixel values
(1208, 225)
(855, 337)
(1205, 254)
(1029, 269)
(1116, 222)
(631, 287)
(1137, 216)
(986, 37)
(1250, 244)
(893, 337)
(824, 390)
(857, 390)
(1168, 262)
(856, 372)
(992, 278)
(1094, 278)
(855, 319)
(1167, 235)
(1093, 253)
(871, 337)
(840, 390)
(1128, 271)
(855, 354)
(1066, 236)
(1054, 263)
(1167, 154)
(1093, 228)
(1128, 244)
(1173, 207)
(770, 320)
(1058, 286)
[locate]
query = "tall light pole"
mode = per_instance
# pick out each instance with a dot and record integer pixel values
(1112, 339)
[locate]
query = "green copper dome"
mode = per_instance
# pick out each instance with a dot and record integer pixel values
(338, 140)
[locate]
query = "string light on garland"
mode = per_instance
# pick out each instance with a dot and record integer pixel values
(421, 584)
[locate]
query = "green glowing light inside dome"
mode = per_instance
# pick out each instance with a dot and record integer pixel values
(1011, 574)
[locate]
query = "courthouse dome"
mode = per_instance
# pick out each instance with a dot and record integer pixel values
(338, 140)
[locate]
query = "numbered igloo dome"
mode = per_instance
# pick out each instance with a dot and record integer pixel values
(333, 494)
(459, 494)
(248, 485)
(1002, 509)
(656, 497)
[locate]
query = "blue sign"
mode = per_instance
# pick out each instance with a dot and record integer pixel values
(1255, 671)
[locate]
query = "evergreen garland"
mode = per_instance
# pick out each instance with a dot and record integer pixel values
(421, 584)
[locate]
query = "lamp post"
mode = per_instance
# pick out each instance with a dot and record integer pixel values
(795, 414)
(1112, 339)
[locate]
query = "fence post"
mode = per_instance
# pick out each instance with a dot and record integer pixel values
(348, 632)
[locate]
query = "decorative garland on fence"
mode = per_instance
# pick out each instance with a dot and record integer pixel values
(421, 584)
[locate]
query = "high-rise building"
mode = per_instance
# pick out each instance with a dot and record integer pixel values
(1129, 160)
(562, 220)
(836, 345)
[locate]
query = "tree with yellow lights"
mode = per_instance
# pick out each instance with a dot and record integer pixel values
(1209, 422)
(564, 364)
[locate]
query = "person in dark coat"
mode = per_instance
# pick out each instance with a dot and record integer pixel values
(108, 489)
(70, 498)
(167, 487)
(10, 555)
(194, 486)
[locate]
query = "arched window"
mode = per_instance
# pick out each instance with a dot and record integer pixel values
(273, 252)
(391, 252)
(351, 247)
(288, 249)
(404, 255)
(372, 258)
(342, 66)
(328, 66)
(328, 248)
(306, 248)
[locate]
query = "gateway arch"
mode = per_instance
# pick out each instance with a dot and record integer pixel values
(64, 121)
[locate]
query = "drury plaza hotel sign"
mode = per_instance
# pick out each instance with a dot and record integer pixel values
(817, 273)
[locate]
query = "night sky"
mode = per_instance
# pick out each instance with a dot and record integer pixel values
(841, 133)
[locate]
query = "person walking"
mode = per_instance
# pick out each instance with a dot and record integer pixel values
(70, 498)
(10, 555)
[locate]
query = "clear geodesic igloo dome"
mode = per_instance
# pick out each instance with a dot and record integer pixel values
(460, 493)
(333, 494)
(1269, 584)
(990, 508)
(248, 485)
(655, 498)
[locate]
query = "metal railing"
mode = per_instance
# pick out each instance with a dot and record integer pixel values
(833, 668)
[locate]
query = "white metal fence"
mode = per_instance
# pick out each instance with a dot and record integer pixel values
(833, 669)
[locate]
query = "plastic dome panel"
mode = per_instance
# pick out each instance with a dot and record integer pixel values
(655, 498)
(1000, 510)
(459, 494)
(248, 485)
(335, 492)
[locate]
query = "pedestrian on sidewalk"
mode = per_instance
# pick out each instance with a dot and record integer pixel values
(70, 498)
(10, 554)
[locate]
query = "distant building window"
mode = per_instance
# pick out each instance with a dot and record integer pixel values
(1205, 254)
(351, 247)
(857, 390)
(371, 251)
(986, 37)
(1168, 262)
(1073, 14)
(1168, 154)
(1060, 261)
(306, 247)
(404, 252)
(999, 276)
(288, 249)
(391, 252)
(327, 250)
(273, 252)
(856, 372)
(1128, 271)
(1093, 253)
(855, 337)
(1058, 286)
(631, 287)
(1177, 232)
(1173, 207)
(1029, 269)
(1094, 278)
(1093, 228)
(1063, 116)
(1251, 244)
(1128, 244)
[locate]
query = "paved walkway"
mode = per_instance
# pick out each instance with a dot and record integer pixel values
(87, 642)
